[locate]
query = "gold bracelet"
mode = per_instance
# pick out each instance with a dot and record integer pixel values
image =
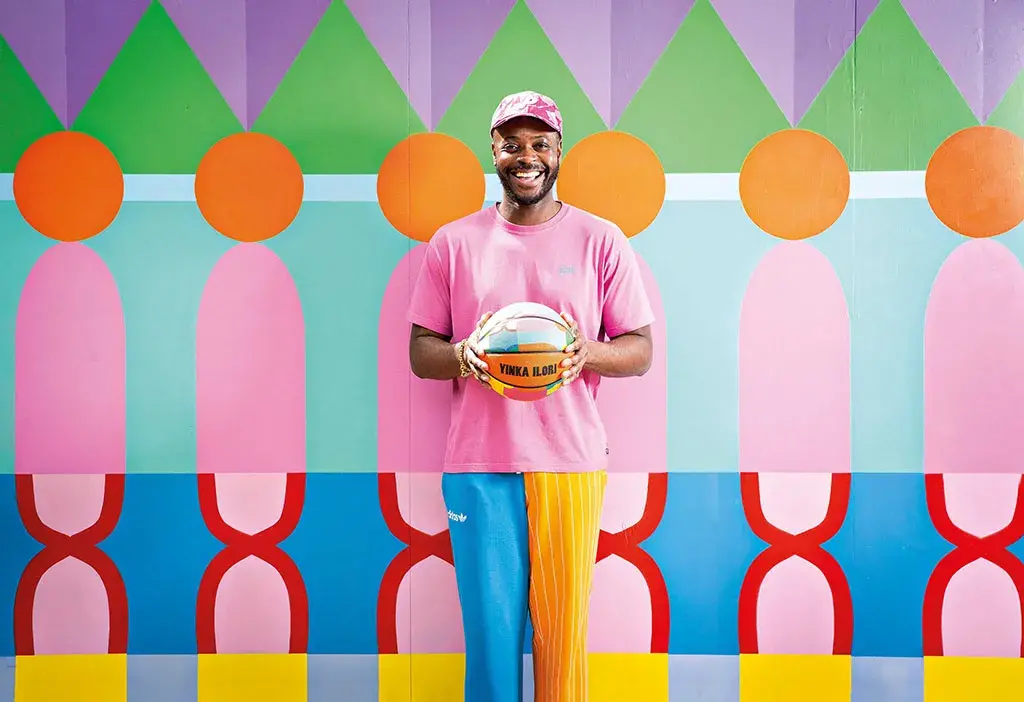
(460, 352)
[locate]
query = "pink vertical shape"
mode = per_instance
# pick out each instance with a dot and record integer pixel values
(69, 339)
(637, 440)
(413, 415)
(795, 603)
(250, 367)
(974, 363)
(620, 604)
(413, 421)
(794, 418)
(635, 415)
(794, 366)
(428, 596)
(252, 612)
(250, 422)
(620, 609)
(71, 612)
(973, 392)
(980, 614)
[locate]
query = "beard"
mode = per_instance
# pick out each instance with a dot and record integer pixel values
(525, 200)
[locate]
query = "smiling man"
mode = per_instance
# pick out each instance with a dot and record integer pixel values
(524, 482)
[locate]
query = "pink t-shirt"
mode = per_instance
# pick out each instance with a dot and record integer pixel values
(576, 263)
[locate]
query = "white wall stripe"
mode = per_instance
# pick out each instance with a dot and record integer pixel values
(679, 187)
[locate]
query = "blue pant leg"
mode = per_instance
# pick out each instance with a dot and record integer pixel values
(487, 523)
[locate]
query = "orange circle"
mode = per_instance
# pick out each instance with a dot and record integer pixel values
(428, 180)
(68, 186)
(615, 176)
(249, 187)
(794, 184)
(975, 181)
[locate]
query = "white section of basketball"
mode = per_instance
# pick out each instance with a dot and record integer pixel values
(507, 316)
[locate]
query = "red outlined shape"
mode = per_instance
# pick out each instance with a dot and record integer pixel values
(626, 545)
(419, 546)
(264, 545)
(83, 546)
(807, 545)
(967, 548)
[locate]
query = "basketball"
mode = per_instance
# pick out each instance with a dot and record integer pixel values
(523, 345)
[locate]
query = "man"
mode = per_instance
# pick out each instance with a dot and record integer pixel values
(524, 482)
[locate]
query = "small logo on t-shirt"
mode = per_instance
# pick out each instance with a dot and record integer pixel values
(456, 517)
(565, 270)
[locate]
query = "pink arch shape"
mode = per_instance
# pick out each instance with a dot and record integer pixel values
(69, 340)
(250, 367)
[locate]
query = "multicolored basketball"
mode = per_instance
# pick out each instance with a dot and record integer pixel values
(523, 346)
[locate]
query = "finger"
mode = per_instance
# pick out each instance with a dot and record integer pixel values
(474, 360)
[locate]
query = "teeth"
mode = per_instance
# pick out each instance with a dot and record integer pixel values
(530, 175)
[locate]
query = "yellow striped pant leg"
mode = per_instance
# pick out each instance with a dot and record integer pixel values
(563, 517)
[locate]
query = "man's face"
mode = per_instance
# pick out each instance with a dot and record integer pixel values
(526, 156)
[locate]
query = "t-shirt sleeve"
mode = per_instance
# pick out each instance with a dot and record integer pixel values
(626, 305)
(430, 302)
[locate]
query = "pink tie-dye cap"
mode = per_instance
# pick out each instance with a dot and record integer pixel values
(528, 104)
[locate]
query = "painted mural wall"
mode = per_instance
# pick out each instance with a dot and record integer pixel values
(218, 478)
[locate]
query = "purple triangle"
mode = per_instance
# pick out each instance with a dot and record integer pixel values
(388, 25)
(640, 31)
(430, 66)
(980, 43)
(765, 32)
(794, 45)
(955, 31)
(95, 34)
(67, 45)
(215, 31)
(36, 33)
(246, 46)
(276, 30)
(1004, 50)
(586, 53)
(460, 32)
(824, 31)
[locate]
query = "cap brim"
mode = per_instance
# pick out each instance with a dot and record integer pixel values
(509, 118)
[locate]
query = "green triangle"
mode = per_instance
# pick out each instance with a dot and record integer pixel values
(339, 109)
(539, 68)
(890, 103)
(1010, 112)
(24, 113)
(703, 106)
(156, 108)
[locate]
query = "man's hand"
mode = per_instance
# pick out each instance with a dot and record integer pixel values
(472, 352)
(578, 349)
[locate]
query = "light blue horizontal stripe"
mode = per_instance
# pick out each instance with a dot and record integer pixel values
(679, 187)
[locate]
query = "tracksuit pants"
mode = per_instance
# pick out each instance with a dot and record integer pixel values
(524, 543)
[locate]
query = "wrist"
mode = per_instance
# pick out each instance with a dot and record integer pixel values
(595, 353)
